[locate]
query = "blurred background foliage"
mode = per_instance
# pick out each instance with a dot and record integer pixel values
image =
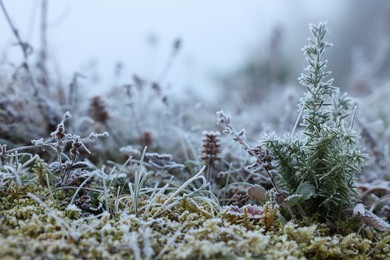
(154, 73)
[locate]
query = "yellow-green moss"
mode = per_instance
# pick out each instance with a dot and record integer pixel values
(184, 231)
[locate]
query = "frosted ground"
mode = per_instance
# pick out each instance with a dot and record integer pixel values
(293, 169)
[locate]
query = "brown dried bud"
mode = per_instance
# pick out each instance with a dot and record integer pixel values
(74, 151)
(59, 133)
(77, 177)
(146, 139)
(98, 110)
(263, 159)
(211, 146)
(84, 202)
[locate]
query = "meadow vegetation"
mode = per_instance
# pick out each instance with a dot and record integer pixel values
(138, 174)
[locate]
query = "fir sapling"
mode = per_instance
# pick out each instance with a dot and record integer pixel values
(318, 167)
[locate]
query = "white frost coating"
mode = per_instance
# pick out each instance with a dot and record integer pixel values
(369, 218)
(359, 209)
(73, 208)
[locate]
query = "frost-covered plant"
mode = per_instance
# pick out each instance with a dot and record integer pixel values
(318, 167)
(14, 168)
(210, 151)
(58, 142)
(262, 158)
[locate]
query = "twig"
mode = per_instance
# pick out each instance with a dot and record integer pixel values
(43, 52)
(26, 48)
(239, 137)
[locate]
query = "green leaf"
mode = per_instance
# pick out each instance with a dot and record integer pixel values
(306, 190)
(257, 193)
(293, 200)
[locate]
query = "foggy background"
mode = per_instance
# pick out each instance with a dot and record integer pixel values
(223, 41)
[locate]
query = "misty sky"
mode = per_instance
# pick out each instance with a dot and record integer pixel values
(93, 35)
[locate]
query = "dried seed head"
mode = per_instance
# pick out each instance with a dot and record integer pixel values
(74, 151)
(84, 202)
(146, 139)
(59, 133)
(98, 110)
(263, 159)
(211, 146)
(77, 177)
(224, 119)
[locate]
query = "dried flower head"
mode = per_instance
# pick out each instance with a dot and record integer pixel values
(74, 151)
(263, 159)
(211, 146)
(59, 134)
(98, 110)
(77, 177)
(84, 202)
(146, 139)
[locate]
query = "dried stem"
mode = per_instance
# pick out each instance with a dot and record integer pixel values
(239, 137)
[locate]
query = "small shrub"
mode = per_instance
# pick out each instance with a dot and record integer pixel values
(318, 166)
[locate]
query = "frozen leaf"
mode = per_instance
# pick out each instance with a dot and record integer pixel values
(306, 190)
(293, 200)
(253, 211)
(257, 193)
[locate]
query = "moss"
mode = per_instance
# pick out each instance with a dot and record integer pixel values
(270, 218)
(382, 249)
(183, 232)
(190, 228)
(72, 212)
